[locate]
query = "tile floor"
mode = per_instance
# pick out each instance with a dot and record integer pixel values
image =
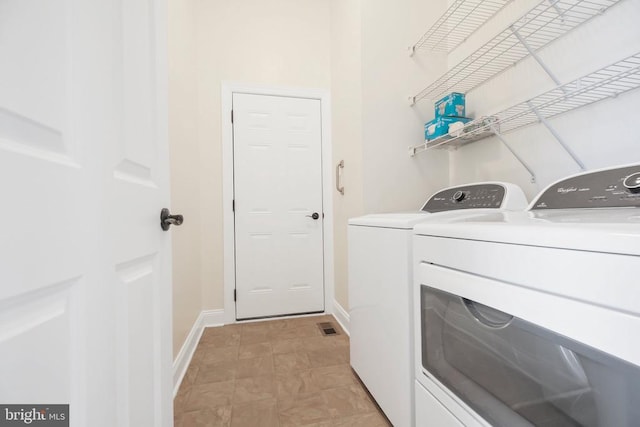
(274, 373)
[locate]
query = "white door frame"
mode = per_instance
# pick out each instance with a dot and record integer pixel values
(228, 89)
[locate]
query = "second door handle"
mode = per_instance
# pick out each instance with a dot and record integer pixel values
(339, 186)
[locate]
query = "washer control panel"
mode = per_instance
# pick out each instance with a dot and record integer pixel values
(610, 188)
(477, 196)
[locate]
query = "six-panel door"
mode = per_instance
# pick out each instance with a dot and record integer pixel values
(277, 190)
(84, 266)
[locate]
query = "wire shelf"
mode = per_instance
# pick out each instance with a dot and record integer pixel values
(461, 20)
(607, 82)
(541, 25)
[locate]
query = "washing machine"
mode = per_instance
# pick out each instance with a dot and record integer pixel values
(380, 279)
(532, 318)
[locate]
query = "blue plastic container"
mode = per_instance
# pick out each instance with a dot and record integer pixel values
(452, 105)
(440, 126)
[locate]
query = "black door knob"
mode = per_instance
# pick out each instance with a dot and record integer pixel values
(314, 215)
(167, 220)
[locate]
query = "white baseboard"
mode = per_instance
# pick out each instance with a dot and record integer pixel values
(207, 318)
(341, 315)
(211, 318)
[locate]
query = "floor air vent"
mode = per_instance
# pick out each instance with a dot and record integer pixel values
(327, 328)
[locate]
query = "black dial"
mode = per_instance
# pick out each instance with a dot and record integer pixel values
(459, 196)
(632, 182)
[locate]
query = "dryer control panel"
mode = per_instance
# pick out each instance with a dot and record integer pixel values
(478, 196)
(610, 188)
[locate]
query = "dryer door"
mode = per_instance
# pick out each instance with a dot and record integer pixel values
(514, 373)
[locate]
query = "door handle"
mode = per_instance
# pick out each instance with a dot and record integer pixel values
(314, 215)
(487, 316)
(339, 185)
(167, 220)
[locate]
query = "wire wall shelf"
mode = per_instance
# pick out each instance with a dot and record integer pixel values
(460, 20)
(608, 82)
(541, 25)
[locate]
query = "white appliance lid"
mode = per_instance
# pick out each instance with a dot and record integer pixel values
(481, 196)
(599, 230)
(595, 211)
(402, 220)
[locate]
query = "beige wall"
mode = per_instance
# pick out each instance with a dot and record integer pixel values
(346, 97)
(371, 78)
(185, 178)
(275, 42)
(356, 49)
(373, 124)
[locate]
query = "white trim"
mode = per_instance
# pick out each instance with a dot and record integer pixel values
(228, 89)
(206, 319)
(341, 315)
(183, 359)
(287, 317)
(212, 318)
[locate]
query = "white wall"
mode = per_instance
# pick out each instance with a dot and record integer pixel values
(185, 179)
(602, 134)
(394, 181)
(276, 43)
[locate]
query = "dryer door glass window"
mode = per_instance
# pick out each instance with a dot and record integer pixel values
(514, 373)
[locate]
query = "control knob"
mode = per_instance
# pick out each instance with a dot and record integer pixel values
(632, 182)
(459, 196)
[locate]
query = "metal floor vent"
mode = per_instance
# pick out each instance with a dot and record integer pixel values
(327, 328)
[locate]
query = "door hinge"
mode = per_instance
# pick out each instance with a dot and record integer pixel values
(234, 295)
(231, 116)
(233, 205)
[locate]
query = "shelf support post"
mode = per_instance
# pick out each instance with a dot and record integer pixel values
(535, 56)
(556, 135)
(526, 166)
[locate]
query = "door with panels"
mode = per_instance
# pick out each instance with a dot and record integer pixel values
(84, 279)
(278, 205)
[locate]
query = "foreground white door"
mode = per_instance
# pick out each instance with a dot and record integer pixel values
(85, 310)
(277, 190)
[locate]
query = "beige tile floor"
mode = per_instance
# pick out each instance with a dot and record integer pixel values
(274, 373)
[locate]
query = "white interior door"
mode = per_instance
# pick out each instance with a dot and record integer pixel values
(277, 191)
(85, 293)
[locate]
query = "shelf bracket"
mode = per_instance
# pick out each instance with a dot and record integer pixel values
(415, 149)
(526, 166)
(555, 134)
(535, 56)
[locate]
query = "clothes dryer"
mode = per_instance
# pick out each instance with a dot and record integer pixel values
(532, 318)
